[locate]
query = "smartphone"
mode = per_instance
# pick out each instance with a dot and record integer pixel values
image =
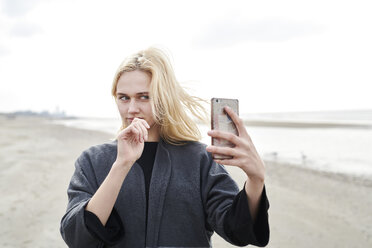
(220, 120)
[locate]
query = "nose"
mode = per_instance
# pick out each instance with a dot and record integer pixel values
(133, 107)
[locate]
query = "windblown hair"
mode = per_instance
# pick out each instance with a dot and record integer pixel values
(171, 104)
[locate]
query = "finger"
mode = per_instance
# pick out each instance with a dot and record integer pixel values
(144, 122)
(232, 162)
(227, 151)
(237, 121)
(143, 130)
(126, 133)
(136, 133)
(143, 126)
(140, 135)
(224, 135)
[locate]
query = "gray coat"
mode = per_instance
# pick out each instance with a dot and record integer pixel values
(188, 198)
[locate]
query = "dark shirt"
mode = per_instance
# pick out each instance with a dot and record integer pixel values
(238, 224)
(147, 163)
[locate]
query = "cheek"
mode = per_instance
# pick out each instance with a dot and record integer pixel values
(147, 108)
(149, 115)
(121, 109)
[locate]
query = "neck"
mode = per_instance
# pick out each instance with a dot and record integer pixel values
(153, 134)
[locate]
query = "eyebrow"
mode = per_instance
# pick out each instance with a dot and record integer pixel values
(137, 94)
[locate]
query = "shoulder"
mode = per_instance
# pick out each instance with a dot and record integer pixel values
(98, 153)
(100, 149)
(95, 162)
(192, 150)
(188, 146)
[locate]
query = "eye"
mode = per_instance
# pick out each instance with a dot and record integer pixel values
(144, 97)
(124, 98)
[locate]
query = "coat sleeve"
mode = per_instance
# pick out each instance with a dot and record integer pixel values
(239, 226)
(80, 191)
(111, 233)
(219, 191)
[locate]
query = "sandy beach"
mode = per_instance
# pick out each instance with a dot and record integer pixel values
(307, 208)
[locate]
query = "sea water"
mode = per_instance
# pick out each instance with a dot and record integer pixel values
(336, 150)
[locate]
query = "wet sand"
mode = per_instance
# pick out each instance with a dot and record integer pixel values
(307, 208)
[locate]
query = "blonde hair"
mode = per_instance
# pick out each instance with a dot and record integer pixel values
(169, 101)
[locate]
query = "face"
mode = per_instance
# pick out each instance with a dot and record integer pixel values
(133, 100)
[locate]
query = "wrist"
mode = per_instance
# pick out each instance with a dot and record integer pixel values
(257, 180)
(258, 176)
(122, 166)
(123, 163)
(255, 183)
(254, 188)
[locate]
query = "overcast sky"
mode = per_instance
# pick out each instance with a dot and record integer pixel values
(272, 55)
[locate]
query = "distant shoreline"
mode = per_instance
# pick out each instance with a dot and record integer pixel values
(305, 124)
(247, 122)
(43, 115)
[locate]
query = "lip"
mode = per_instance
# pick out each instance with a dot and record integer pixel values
(131, 119)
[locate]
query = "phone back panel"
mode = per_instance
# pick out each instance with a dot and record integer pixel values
(221, 121)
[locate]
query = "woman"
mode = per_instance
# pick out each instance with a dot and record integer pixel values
(156, 185)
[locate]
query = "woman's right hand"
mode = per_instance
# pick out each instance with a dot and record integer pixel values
(130, 146)
(131, 142)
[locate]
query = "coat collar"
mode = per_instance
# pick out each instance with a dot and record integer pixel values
(159, 182)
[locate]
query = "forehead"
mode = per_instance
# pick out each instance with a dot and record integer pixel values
(133, 81)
